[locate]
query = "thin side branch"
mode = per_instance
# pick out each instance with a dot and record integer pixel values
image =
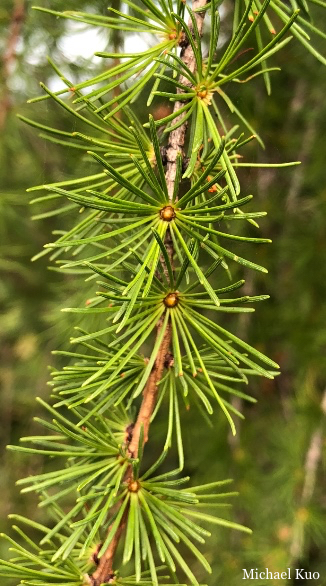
(311, 467)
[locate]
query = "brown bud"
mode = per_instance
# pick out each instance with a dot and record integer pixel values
(202, 94)
(134, 486)
(167, 213)
(171, 300)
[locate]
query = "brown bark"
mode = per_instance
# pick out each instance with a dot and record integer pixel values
(150, 393)
(104, 571)
(177, 137)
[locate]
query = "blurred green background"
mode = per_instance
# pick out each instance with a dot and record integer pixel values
(278, 457)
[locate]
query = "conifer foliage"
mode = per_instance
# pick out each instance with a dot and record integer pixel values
(157, 223)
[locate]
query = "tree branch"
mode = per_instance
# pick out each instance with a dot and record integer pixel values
(311, 466)
(175, 146)
(176, 143)
(9, 57)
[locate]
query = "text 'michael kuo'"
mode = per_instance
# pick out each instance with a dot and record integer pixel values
(266, 574)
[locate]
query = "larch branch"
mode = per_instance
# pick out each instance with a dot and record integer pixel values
(175, 145)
